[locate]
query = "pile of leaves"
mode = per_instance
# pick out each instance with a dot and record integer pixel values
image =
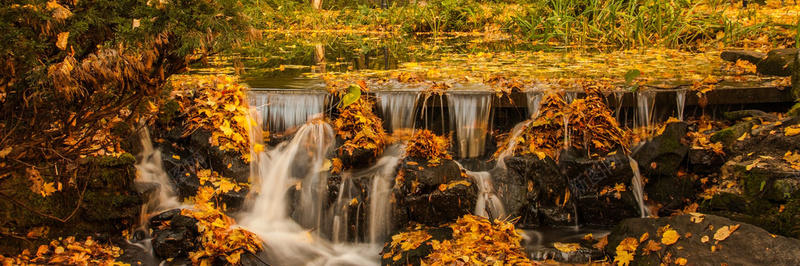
(590, 128)
(67, 252)
(357, 125)
(425, 144)
(217, 103)
(219, 236)
(479, 241)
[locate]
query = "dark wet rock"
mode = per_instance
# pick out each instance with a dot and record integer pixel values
(742, 114)
(431, 193)
(416, 255)
(779, 62)
(664, 154)
(731, 134)
(670, 192)
(535, 190)
(796, 76)
(747, 245)
(767, 195)
(233, 200)
(705, 161)
(358, 158)
(736, 55)
(176, 238)
(588, 179)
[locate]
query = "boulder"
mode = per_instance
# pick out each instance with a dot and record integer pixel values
(796, 76)
(603, 188)
(176, 238)
(747, 245)
(663, 154)
(535, 190)
(431, 193)
(736, 55)
(730, 134)
(779, 62)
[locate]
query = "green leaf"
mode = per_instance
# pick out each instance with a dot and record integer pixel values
(631, 75)
(352, 95)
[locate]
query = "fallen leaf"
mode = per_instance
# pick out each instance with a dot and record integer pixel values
(724, 232)
(567, 247)
(670, 237)
(62, 40)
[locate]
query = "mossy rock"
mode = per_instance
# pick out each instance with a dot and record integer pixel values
(730, 134)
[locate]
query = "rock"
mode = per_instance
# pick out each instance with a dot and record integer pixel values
(359, 158)
(730, 134)
(779, 62)
(736, 55)
(535, 190)
(796, 77)
(705, 161)
(747, 245)
(663, 154)
(416, 255)
(431, 193)
(594, 183)
(176, 238)
(670, 192)
(741, 114)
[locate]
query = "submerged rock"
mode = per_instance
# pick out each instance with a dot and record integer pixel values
(431, 193)
(779, 62)
(698, 242)
(736, 55)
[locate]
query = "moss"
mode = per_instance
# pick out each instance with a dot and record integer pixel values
(724, 135)
(127, 158)
(724, 201)
(122, 129)
(168, 111)
(754, 182)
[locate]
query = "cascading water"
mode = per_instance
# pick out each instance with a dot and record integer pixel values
(638, 187)
(570, 96)
(488, 202)
(512, 144)
(645, 101)
(149, 170)
(287, 109)
(680, 98)
(470, 115)
(534, 103)
(301, 162)
(398, 108)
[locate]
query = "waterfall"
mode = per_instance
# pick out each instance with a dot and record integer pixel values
(150, 170)
(470, 115)
(638, 187)
(487, 199)
(380, 194)
(680, 98)
(398, 108)
(570, 96)
(534, 103)
(512, 143)
(287, 109)
(645, 101)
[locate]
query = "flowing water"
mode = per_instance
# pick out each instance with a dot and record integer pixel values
(287, 109)
(638, 187)
(149, 171)
(470, 117)
(398, 108)
(512, 144)
(680, 98)
(645, 101)
(534, 103)
(488, 204)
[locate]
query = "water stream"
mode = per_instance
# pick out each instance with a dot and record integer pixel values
(398, 108)
(470, 117)
(680, 98)
(285, 110)
(638, 187)
(149, 171)
(645, 101)
(534, 103)
(488, 204)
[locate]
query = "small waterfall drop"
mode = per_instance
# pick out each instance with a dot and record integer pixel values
(512, 143)
(470, 115)
(149, 169)
(680, 98)
(398, 108)
(534, 103)
(285, 110)
(570, 96)
(487, 199)
(638, 187)
(645, 101)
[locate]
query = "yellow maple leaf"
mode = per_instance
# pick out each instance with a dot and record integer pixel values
(623, 258)
(670, 237)
(628, 244)
(724, 232)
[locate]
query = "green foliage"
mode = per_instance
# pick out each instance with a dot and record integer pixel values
(352, 95)
(72, 71)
